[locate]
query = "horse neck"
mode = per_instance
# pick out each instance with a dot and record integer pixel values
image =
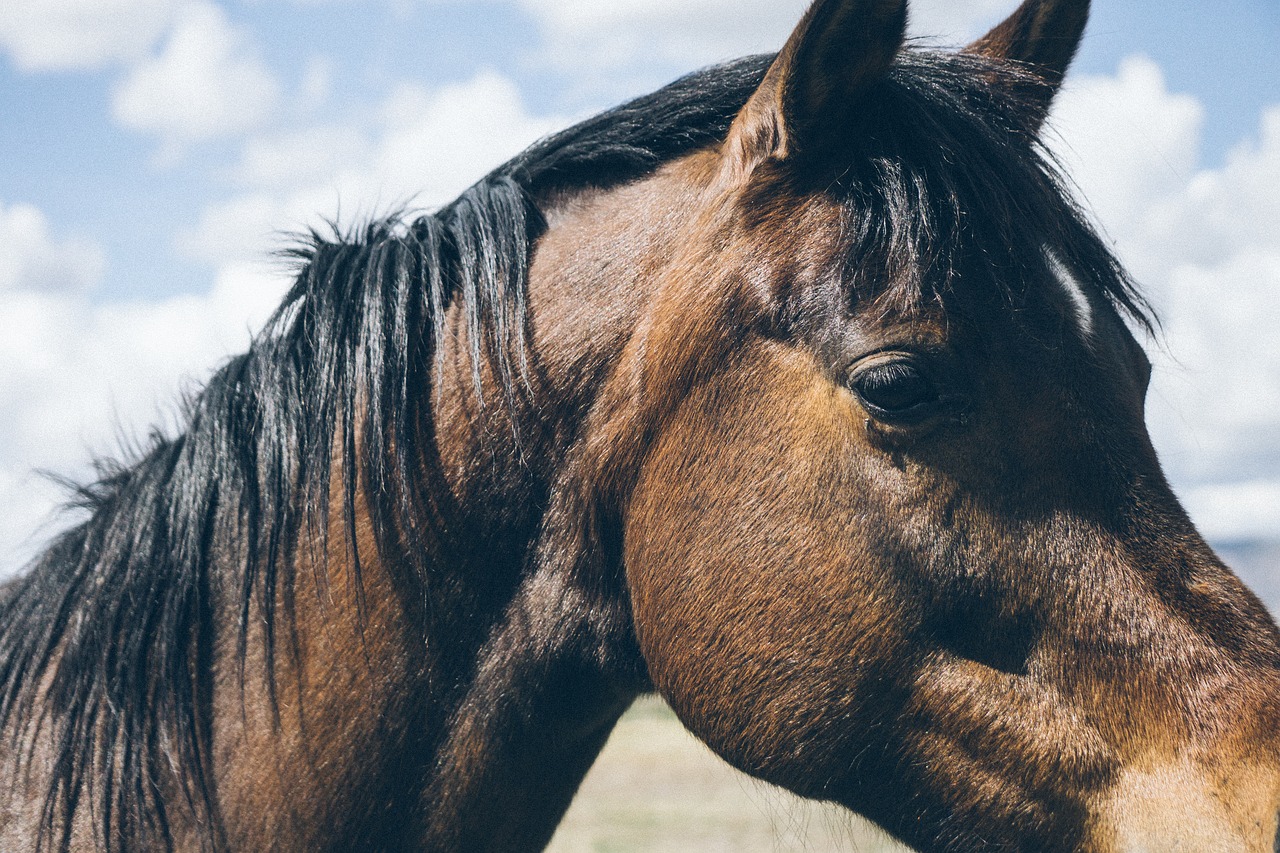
(558, 664)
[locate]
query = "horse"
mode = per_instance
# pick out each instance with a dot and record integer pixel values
(800, 392)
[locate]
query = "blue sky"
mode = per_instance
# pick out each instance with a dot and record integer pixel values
(151, 149)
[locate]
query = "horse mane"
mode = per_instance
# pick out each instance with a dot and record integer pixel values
(106, 642)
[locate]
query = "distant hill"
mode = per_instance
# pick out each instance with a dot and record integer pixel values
(1257, 562)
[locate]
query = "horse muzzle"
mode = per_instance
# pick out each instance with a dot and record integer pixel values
(1184, 809)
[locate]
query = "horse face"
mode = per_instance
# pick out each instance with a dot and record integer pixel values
(906, 545)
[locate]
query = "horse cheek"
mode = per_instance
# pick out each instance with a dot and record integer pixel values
(757, 608)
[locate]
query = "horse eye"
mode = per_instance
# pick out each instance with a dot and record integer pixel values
(894, 390)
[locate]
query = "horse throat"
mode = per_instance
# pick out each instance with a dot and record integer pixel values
(547, 689)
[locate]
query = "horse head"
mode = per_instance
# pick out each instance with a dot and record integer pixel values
(893, 530)
(799, 391)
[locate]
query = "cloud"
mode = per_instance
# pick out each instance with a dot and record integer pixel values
(293, 158)
(1205, 245)
(1129, 143)
(1226, 211)
(1216, 406)
(62, 35)
(952, 23)
(317, 83)
(438, 142)
(206, 81)
(65, 360)
(32, 260)
(691, 33)
(421, 147)
(683, 34)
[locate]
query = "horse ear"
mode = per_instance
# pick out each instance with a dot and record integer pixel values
(1042, 35)
(810, 91)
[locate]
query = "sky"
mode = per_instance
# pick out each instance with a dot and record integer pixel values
(153, 152)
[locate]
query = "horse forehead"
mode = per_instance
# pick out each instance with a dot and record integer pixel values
(808, 249)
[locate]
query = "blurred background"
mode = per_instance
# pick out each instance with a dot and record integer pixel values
(152, 152)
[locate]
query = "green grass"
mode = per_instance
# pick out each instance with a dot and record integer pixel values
(657, 789)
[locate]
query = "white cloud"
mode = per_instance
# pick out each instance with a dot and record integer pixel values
(317, 83)
(1128, 143)
(423, 148)
(65, 361)
(206, 81)
(249, 226)
(45, 35)
(437, 143)
(953, 23)
(1205, 244)
(1221, 212)
(686, 34)
(293, 158)
(1217, 403)
(32, 260)
(694, 32)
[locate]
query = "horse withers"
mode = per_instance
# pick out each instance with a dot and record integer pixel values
(798, 391)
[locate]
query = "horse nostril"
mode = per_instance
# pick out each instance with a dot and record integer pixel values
(1275, 845)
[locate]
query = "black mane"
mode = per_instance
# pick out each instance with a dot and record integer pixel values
(115, 620)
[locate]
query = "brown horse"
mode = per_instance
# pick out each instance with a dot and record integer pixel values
(798, 392)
